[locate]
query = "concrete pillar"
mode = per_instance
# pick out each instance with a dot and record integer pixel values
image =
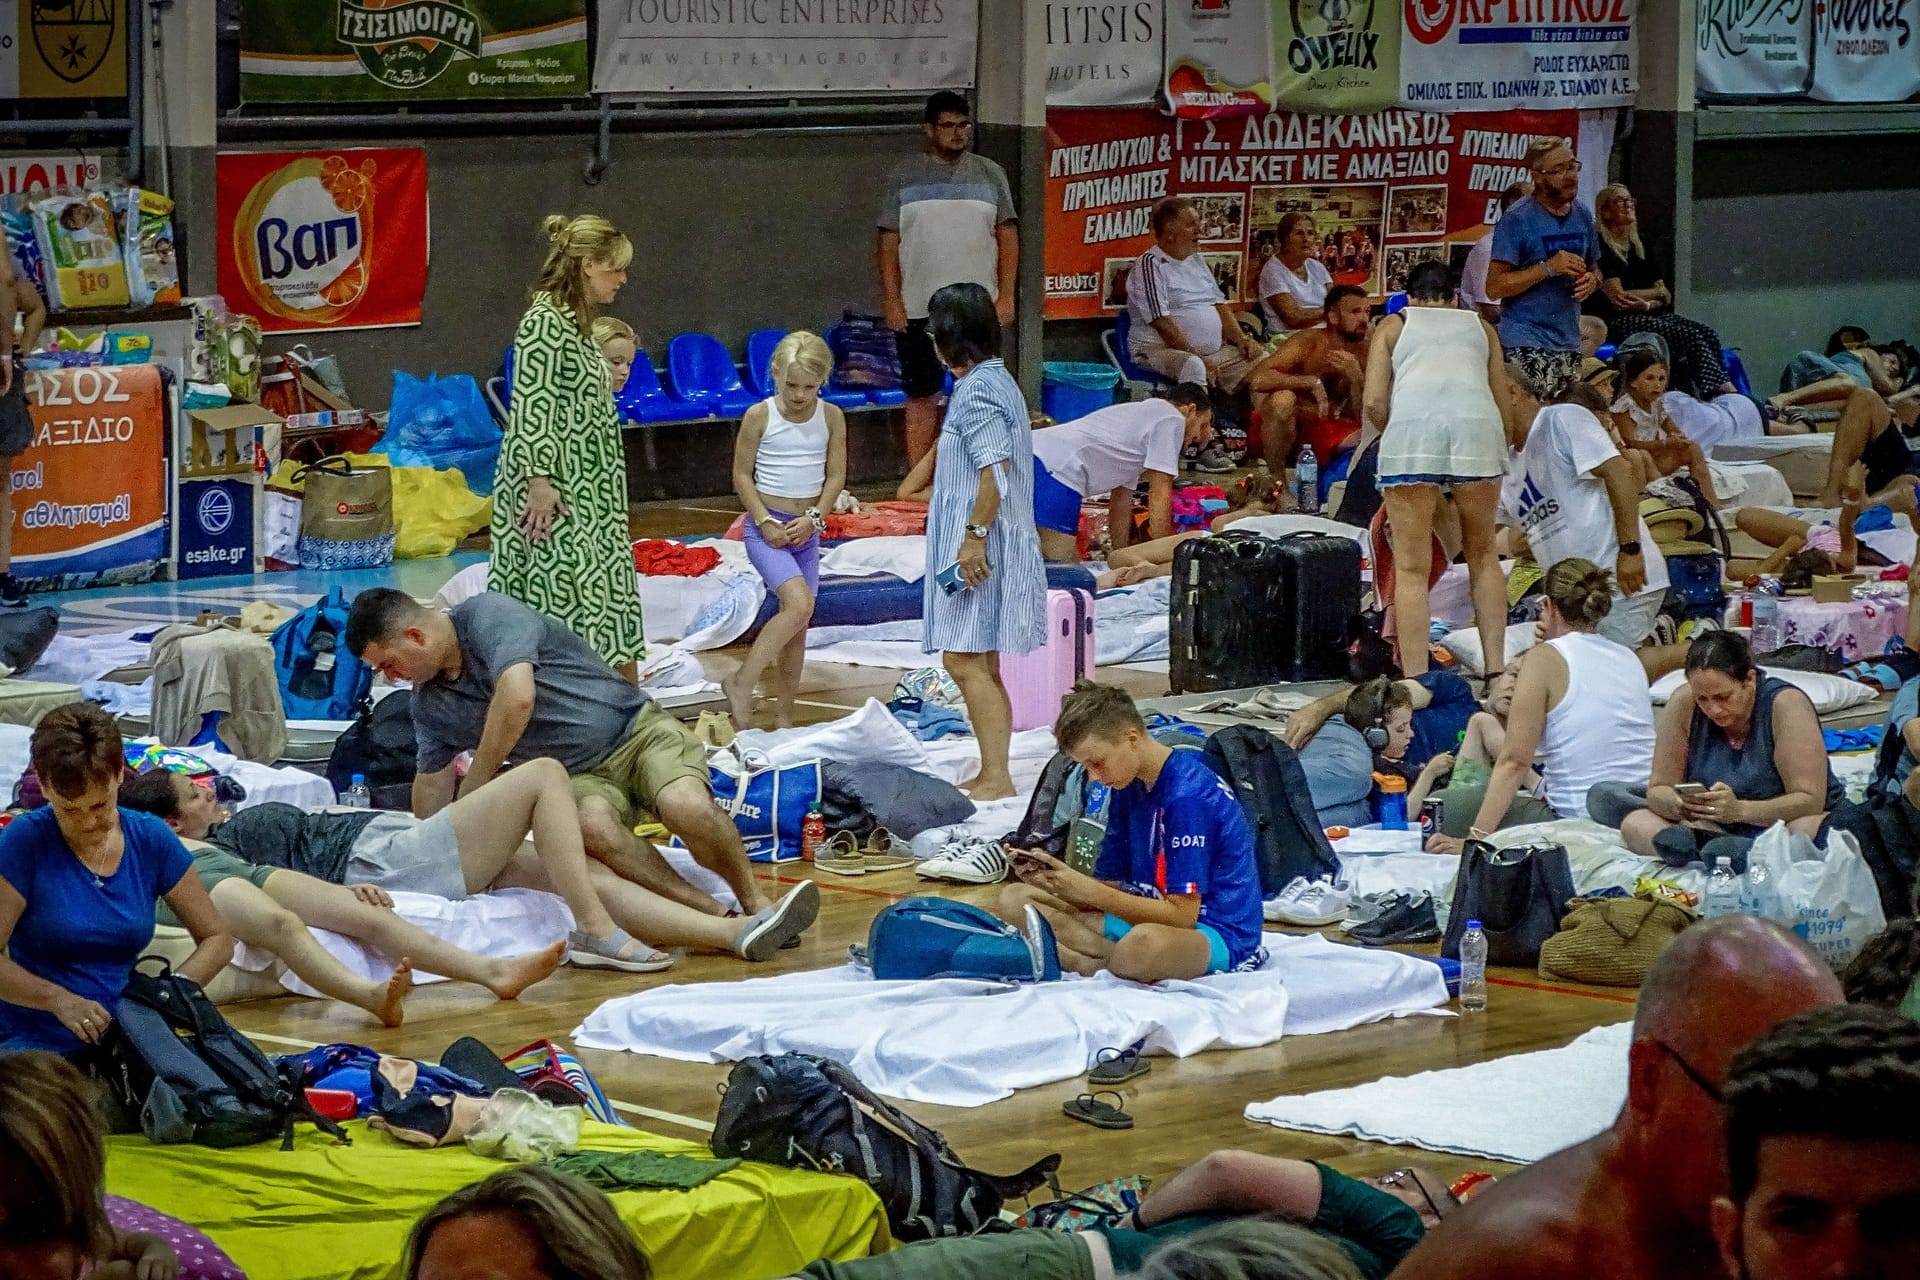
(1658, 160)
(181, 128)
(1011, 112)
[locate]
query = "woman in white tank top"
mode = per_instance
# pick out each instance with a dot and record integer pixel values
(1435, 384)
(1581, 714)
(789, 466)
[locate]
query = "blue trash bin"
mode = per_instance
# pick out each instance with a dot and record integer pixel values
(1071, 389)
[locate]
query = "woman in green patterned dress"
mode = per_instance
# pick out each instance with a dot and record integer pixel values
(560, 536)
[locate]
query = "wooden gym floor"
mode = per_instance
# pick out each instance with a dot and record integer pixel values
(1183, 1109)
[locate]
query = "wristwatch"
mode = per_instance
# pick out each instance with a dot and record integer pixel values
(1630, 548)
(979, 531)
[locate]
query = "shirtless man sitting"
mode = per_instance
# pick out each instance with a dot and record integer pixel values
(1636, 1202)
(1311, 387)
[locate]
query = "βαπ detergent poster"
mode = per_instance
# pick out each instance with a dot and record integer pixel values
(1385, 191)
(324, 239)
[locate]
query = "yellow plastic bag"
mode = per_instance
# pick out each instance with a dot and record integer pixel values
(432, 510)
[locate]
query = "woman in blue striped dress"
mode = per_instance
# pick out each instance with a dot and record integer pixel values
(981, 517)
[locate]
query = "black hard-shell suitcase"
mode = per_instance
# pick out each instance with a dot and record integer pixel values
(1226, 613)
(1320, 591)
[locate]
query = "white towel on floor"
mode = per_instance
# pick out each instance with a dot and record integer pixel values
(1519, 1108)
(963, 1043)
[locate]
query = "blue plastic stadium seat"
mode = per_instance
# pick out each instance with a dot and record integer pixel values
(704, 373)
(1605, 351)
(1138, 376)
(1396, 302)
(886, 396)
(760, 345)
(644, 399)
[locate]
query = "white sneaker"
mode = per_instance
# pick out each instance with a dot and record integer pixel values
(972, 861)
(1321, 902)
(1272, 907)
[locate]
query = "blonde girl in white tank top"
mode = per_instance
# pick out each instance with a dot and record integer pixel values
(789, 467)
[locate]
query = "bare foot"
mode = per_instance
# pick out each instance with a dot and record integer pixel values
(985, 788)
(1899, 496)
(516, 973)
(739, 701)
(386, 1002)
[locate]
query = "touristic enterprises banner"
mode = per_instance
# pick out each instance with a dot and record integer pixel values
(1865, 51)
(1386, 190)
(63, 49)
(412, 50)
(323, 239)
(1231, 57)
(1753, 48)
(784, 46)
(1104, 55)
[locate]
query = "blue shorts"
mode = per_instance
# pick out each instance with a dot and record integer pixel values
(1219, 959)
(1055, 506)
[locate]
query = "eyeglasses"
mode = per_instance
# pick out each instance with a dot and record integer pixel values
(1400, 1179)
(1705, 1085)
(954, 126)
(1569, 166)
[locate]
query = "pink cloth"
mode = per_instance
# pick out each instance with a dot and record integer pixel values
(1854, 629)
(1823, 537)
(200, 1257)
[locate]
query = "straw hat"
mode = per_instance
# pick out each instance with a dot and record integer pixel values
(1669, 523)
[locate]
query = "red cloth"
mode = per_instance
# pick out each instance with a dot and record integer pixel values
(656, 557)
(880, 520)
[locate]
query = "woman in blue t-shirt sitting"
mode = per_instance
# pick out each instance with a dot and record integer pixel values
(78, 880)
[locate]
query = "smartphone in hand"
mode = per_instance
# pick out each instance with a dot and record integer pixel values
(950, 580)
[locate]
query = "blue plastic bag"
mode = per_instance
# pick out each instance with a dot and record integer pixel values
(440, 423)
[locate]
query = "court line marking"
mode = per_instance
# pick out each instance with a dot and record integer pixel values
(630, 1108)
(1563, 991)
(830, 706)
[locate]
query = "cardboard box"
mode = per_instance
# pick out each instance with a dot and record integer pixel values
(1835, 588)
(221, 442)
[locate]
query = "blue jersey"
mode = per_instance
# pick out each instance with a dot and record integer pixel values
(74, 932)
(1526, 236)
(1187, 835)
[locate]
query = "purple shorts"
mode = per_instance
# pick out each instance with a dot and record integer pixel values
(780, 565)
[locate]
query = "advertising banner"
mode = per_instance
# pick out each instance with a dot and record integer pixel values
(412, 50)
(784, 46)
(1753, 48)
(1386, 190)
(63, 49)
(1865, 50)
(90, 492)
(323, 239)
(1472, 55)
(49, 172)
(1104, 55)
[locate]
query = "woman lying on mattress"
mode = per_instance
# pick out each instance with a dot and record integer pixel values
(1738, 751)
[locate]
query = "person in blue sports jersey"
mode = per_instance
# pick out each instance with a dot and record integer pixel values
(1175, 892)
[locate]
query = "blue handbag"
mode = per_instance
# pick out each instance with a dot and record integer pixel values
(768, 803)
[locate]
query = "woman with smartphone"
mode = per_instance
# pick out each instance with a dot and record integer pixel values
(986, 587)
(1737, 751)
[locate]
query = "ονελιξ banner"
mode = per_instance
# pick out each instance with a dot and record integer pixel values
(90, 492)
(412, 50)
(1386, 190)
(1865, 51)
(784, 46)
(63, 49)
(1753, 48)
(1104, 55)
(323, 239)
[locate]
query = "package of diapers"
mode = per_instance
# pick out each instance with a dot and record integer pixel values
(153, 273)
(80, 250)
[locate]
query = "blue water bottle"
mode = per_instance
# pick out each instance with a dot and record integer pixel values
(1390, 801)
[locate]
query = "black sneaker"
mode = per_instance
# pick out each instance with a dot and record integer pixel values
(12, 594)
(1409, 920)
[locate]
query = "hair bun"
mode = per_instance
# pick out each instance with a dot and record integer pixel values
(556, 225)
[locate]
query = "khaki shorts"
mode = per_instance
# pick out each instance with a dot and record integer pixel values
(658, 750)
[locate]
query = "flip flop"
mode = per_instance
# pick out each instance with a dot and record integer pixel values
(1117, 1066)
(1088, 1109)
(841, 856)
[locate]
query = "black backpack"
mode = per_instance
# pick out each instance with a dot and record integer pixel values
(177, 1068)
(1266, 775)
(381, 747)
(804, 1112)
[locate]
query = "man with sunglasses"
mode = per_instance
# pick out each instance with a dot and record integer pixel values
(1635, 1203)
(1545, 249)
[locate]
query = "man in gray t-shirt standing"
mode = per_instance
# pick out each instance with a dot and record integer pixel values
(510, 684)
(947, 218)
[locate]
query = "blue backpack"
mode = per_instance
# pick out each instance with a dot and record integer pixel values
(319, 678)
(930, 937)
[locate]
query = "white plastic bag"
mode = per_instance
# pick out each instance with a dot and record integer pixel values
(1829, 899)
(515, 1125)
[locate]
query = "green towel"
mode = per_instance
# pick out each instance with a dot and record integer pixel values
(640, 1170)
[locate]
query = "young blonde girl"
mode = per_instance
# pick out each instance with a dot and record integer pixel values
(789, 466)
(618, 344)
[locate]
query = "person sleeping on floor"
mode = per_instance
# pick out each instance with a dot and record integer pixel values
(1175, 892)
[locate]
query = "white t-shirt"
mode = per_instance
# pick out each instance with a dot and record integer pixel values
(1720, 420)
(1473, 276)
(1277, 277)
(1554, 497)
(1111, 448)
(1183, 290)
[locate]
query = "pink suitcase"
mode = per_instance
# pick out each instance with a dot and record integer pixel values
(1037, 681)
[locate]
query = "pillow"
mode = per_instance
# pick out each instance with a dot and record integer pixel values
(1829, 693)
(1464, 645)
(902, 557)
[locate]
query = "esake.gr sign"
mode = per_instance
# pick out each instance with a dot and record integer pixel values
(324, 240)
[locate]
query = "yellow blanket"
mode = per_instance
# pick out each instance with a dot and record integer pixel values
(325, 1212)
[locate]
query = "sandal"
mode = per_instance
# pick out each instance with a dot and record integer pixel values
(1117, 1066)
(841, 855)
(884, 851)
(618, 950)
(1088, 1109)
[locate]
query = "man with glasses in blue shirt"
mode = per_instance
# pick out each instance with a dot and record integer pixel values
(1546, 250)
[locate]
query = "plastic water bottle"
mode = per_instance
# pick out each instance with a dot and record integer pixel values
(1759, 896)
(1473, 969)
(1390, 801)
(1306, 481)
(1765, 637)
(1723, 889)
(357, 796)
